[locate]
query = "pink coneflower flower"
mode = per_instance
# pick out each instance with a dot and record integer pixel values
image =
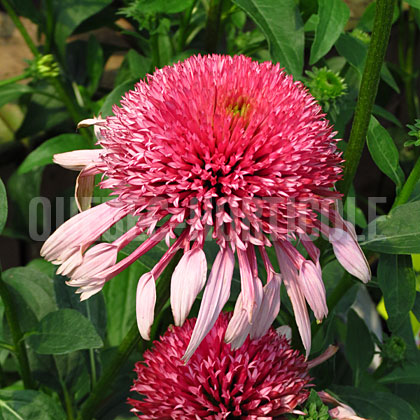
(221, 146)
(264, 378)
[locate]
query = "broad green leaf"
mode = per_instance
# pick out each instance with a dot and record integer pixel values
(163, 6)
(69, 14)
(92, 308)
(408, 374)
(43, 155)
(120, 298)
(134, 67)
(355, 52)
(64, 331)
(376, 405)
(27, 404)
(282, 25)
(333, 16)
(414, 3)
(384, 152)
(359, 345)
(33, 295)
(9, 93)
(3, 206)
(114, 97)
(383, 113)
(398, 284)
(396, 233)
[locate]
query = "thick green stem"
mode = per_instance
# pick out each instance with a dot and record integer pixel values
(212, 25)
(409, 185)
(368, 90)
(19, 344)
(14, 79)
(20, 27)
(129, 343)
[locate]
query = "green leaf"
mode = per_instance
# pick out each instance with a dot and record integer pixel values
(114, 98)
(3, 206)
(398, 284)
(69, 14)
(33, 295)
(408, 374)
(383, 113)
(414, 3)
(94, 63)
(64, 331)
(25, 405)
(282, 25)
(333, 16)
(134, 67)
(376, 405)
(13, 91)
(359, 345)
(396, 233)
(163, 6)
(384, 152)
(43, 155)
(92, 308)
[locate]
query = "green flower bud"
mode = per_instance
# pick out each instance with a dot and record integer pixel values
(393, 350)
(45, 66)
(325, 85)
(361, 36)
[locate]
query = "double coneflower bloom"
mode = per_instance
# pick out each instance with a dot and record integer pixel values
(214, 148)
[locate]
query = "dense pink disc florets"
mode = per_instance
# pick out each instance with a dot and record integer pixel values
(263, 379)
(223, 142)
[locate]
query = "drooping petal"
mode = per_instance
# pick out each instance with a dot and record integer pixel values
(239, 325)
(312, 286)
(269, 308)
(215, 295)
(84, 190)
(247, 283)
(145, 304)
(79, 232)
(78, 159)
(188, 279)
(331, 350)
(349, 254)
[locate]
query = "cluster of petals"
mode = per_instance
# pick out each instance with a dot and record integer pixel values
(263, 379)
(214, 147)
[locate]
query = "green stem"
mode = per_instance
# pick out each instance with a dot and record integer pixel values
(184, 26)
(368, 89)
(212, 25)
(14, 79)
(91, 351)
(18, 342)
(20, 27)
(409, 185)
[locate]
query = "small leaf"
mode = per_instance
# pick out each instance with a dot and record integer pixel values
(333, 16)
(282, 25)
(3, 206)
(408, 374)
(396, 233)
(43, 154)
(384, 152)
(359, 345)
(25, 405)
(64, 331)
(398, 284)
(376, 405)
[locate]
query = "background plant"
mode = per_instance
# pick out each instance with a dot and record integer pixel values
(61, 358)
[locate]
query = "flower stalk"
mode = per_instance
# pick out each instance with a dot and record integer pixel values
(212, 25)
(409, 185)
(368, 89)
(17, 336)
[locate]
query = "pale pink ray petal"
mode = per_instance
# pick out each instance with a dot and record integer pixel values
(247, 283)
(215, 295)
(78, 159)
(188, 279)
(79, 232)
(349, 254)
(290, 279)
(145, 304)
(70, 264)
(313, 288)
(342, 411)
(89, 290)
(312, 250)
(269, 308)
(239, 325)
